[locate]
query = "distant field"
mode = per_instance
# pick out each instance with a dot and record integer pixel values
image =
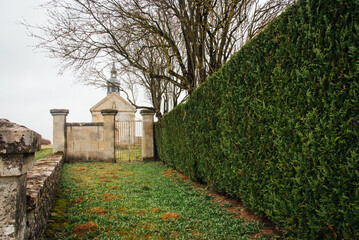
(46, 150)
(46, 146)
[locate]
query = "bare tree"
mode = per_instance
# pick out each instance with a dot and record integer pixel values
(159, 91)
(170, 43)
(162, 94)
(95, 76)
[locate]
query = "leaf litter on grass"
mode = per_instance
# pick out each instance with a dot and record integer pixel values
(97, 210)
(82, 229)
(145, 202)
(170, 216)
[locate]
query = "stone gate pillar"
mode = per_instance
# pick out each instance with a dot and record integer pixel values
(59, 129)
(17, 148)
(109, 134)
(148, 153)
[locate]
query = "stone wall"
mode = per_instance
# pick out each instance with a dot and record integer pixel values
(85, 142)
(27, 188)
(42, 182)
(96, 142)
(17, 147)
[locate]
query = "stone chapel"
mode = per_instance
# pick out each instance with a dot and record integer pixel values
(113, 100)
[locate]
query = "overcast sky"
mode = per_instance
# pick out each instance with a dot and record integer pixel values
(29, 82)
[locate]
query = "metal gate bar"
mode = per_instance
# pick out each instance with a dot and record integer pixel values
(128, 141)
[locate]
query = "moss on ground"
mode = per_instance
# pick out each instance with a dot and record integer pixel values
(58, 220)
(139, 201)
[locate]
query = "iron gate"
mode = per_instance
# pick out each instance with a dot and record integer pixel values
(128, 139)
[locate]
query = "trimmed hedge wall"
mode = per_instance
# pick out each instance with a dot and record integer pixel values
(277, 126)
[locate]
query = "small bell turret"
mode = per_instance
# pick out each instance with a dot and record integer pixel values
(113, 85)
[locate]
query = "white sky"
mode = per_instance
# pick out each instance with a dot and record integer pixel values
(29, 82)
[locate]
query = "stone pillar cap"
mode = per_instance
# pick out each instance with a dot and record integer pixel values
(59, 111)
(147, 112)
(15, 138)
(109, 112)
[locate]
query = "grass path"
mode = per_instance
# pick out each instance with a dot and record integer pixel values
(138, 201)
(46, 150)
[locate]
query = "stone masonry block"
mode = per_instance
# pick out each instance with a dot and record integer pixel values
(15, 164)
(12, 207)
(15, 138)
(17, 147)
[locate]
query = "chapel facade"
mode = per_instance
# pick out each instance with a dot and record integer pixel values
(125, 118)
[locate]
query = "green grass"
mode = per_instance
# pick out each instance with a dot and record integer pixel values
(131, 201)
(45, 151)
(126, 155)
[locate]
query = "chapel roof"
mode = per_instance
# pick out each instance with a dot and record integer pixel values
(121, 104)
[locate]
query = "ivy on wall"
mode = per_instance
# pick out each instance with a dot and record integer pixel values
(277, 126)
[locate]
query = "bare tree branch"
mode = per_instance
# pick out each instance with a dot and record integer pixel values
(172, 45)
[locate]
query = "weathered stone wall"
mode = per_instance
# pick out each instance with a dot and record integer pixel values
(17, 147)
(12, 211)
(42, 182)
(85, 142)
(27, 189)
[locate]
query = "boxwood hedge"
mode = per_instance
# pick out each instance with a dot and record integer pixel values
(277, 126)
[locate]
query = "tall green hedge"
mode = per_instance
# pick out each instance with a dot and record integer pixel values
(277, 126)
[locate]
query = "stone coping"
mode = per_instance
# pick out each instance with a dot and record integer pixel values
(109, 112)
(147, 111)
(84, 124)
(15, 138)
(59, 111)
(37, 176)
(119, 111)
